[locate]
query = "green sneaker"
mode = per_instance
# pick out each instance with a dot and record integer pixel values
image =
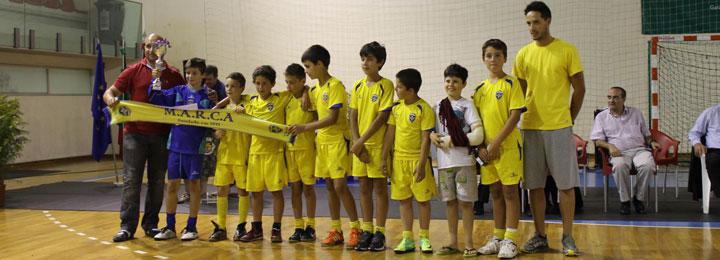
(407, 245)
(425, 246)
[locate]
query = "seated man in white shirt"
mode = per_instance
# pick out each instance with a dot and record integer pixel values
(622, 130)
(708, 125)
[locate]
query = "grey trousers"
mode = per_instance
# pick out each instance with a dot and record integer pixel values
(643, 161)
(137, 150)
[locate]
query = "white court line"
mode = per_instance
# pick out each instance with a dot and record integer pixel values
(45, 211)
(105, 242)
(71, 230)
(57, 222)
(122, 247)
(63, 226)
(140, 252)
(51, 218)
(161, 257)
(92, 238)
(48, 215)
(80, 234)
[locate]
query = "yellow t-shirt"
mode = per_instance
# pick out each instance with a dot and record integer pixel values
(494, 102)
(547, 71)
(331, 95)
(234, 146)
(272, 109)
(294, 115)
(410, 120)
(369, 101)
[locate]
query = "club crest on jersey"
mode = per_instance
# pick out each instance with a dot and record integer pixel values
(374, 98)
(270, 106)
(124, 110)
(498, 94)
(325, 97)
(412, 117)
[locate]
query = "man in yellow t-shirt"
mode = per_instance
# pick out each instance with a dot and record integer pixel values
(546, 68)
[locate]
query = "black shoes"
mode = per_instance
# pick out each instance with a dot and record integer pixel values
(240, 231)
(152, 232)
(625, 208)
(308, 235)
(639, 207)
(378, 242)
(218, 234)
(297, 236)
(121, 236)
(364, 241)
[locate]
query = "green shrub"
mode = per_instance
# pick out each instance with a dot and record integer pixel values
(12, 135)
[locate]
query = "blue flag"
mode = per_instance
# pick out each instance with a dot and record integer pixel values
(101, 132)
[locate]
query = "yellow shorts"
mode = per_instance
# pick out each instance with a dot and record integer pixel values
(266, 171)
(508, 169)
(301, 166)
(371, 169)
(403, 185)
(332, 160)
(225, 174)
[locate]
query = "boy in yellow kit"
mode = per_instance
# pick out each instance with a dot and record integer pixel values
(300, 156)
(500, 102)
(232, 154)
(411, 120)
(333, 154)
(370, 106)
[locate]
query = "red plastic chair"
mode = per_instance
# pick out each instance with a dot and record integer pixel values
(666, 156)
(607, 170)
(580, 146)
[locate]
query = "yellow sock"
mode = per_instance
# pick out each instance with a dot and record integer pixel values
(299, 223)
(381, 229)
(222, 205)
(336, 224)
(355, 224)
(243, 208)
(367, 226)
(512, 234)
(408, 234)
(499, 233)
(311, 222)
(424, 233)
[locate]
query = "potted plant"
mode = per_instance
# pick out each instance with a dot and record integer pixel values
(12, 137)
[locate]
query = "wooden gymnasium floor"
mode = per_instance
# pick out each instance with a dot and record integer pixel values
(53, 234)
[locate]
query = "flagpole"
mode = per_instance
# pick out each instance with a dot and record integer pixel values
(112, 144)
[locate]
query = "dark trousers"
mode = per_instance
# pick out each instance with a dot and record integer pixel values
(712, 163)
(137, 150)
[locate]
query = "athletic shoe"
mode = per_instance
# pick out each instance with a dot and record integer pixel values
(378, 242)
(121, 236)
(308, 235)
(508, 249)
(354, 237)
(188, 235)
(491, 247)
(425, 246)
(165, 234)
(255, 234)
(569, 248)
(218, 234)
(183, 198)
(240, 231)
(407, 245)
(152, 232)
(334, 237)
(275, 235)
(297, 236)
(536, 244)
(364, 242)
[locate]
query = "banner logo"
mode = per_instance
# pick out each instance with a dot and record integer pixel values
(125, 111)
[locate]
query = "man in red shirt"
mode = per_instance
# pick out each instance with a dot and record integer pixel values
(142, 142)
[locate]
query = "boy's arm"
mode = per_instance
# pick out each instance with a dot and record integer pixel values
(578, 84)
(523, 86)
(163, 97)
(329, 120)
(494, 145)
(424, 151)
(388, 141)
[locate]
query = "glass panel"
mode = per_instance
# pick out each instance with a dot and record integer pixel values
(12, 15)
(22, 79)
(70, 81)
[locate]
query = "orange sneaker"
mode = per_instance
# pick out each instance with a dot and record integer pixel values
(334, 237)
(354, 238)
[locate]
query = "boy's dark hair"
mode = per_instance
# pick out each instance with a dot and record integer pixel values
(237, 76)
(295, 70)
(266, 72)
(623, 93)
(455, 70)
(375, 49)
(410, 78)
(539, 6)
(496, 44)
(197, 63)
(317, 53)
(211, 69)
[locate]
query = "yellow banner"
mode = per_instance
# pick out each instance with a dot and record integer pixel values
(127, 111)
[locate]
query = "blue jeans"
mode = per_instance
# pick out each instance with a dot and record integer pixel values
(137, 150)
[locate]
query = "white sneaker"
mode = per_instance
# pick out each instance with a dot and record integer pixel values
(188, 235)
(165, 234)
(492, 247)
(508, 249)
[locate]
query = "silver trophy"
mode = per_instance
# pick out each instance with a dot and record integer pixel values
(160, 48)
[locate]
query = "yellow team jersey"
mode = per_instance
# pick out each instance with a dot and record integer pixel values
(234, 146)
(410, 120)
(294, 115)
(331, 95)
(369, 101)
(272, 109)
(494, 102)
(547, 71)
